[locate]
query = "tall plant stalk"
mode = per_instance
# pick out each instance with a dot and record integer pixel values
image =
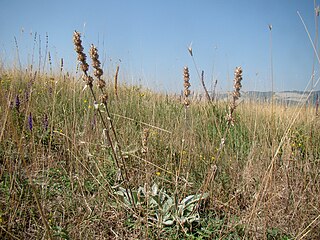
(201, 77)
(115, 148)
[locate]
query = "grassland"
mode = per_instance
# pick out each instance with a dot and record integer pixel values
(259, 179)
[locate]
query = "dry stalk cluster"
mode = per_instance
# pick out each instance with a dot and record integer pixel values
(235, 95)
(115, 148)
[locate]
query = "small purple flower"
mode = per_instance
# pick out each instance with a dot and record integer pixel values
(30, 122)
(17, 105)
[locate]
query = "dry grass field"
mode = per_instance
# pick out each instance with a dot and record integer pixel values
(122, 162)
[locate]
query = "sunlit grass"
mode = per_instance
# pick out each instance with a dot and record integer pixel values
(65, 160)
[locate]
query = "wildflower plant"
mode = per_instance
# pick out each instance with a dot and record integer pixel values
(98, 72)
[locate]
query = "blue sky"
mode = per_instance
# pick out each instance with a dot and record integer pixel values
(151, 39)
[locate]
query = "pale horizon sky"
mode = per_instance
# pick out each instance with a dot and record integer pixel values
(150, 39)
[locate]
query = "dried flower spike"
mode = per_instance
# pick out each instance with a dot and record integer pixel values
(82, 58)
(237, 83)
(104, 98)
(96, 65)
(235, 95)
(186, 85)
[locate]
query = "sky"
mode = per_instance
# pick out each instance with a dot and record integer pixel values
(149, 40)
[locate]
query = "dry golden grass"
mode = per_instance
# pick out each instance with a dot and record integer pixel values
(58, 178)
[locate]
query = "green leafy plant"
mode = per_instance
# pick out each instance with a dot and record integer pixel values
(161, 207)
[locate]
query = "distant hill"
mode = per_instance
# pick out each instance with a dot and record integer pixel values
(288, 97)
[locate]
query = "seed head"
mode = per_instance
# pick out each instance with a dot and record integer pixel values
(235, 95)
(79, 49)
(186, 85)
(237, 83)
(104, 98)
(87, 79)
(81, 58)
(95, 61)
